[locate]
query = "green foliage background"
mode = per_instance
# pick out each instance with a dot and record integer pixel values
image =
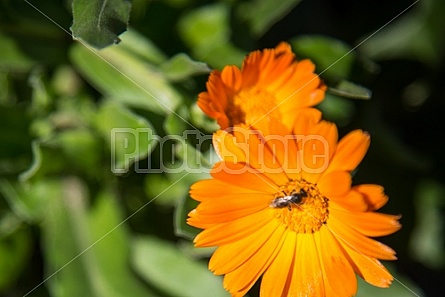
(69, 226)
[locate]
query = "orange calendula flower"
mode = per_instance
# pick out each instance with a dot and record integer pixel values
(282, 206)
(270, 82)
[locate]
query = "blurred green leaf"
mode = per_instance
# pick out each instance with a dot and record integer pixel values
(183, 229)
(15, 251)
(113, 249)
(9, 222)
(118, 73)
(181, 67)
(206, 31)
(100, 22)
(82, 149)
(28, 200)
(175, 123)
(36, 162)
(189, 249)
(40, 96)
(14, 201)
(156, 185)
(47, 159)
(155, 259)
(87, 244)
(142, 47)
(66, 81)
(348, 89)
(63, 240)
(426, 244)
(193, 159)
(129, 136)
(12, 58)
(15, 148)
(337, 109)
(262, 14)
(418, 34)
(331, 56)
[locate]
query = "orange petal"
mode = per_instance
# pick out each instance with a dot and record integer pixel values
(231, 207)
(350, 151)
(317, 147)
(234, 230)
(280, 270)
(226, 147)
(339, 277)
(242, 175)
(337, 184)
(373, 195)
(307, 276)
(349, 237)
(232, 78)
(242, 250)
(262, 157)
(242, 279)
(371, 223)
(352, 201)
(283, 146)
(211, 188)
(247, 145)
(370, 269)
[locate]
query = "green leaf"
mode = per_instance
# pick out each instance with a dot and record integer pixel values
(113, 249)
(332, 57)
(87, 244)
(176, 123)
(426, 240)
(9, 222)
(27, 200)
(46, 159)
(142, 47)
(183, 229)
(165, 266)
(82, 150)
(130, 137)
(206, 31)
(60, 245)
(162, 189)
(15, 251)
(181, 67)
(100, 22)
(36, 162)
(349, 89)
(40, 96)
(337, 109)
(417, 34)
(12, 58)
(262, 14)
(15, 149)
(12, 197)
(120, 74)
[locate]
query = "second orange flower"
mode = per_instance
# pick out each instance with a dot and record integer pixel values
(270, 83)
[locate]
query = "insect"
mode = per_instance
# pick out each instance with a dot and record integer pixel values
(287, 200)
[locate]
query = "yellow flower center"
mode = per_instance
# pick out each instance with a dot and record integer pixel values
(256, 102)
(300, 206)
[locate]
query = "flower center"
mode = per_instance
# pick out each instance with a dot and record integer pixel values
(300, 206)
(256, 102)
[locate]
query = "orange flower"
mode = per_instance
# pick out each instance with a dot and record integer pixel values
(282, 207)
(270, 82)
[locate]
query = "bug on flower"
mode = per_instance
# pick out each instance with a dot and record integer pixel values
(287, 200)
